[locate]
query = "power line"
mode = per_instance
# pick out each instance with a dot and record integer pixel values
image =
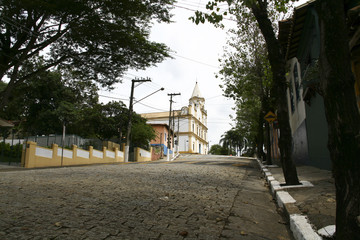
(152, 107)
(193, 10)
(116, 98)
(213, 97)
(193, 60)
(192, 4)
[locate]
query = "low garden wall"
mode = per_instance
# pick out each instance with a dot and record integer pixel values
(142, 155)
(36, 156)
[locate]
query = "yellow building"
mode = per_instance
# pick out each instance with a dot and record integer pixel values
(190, 124)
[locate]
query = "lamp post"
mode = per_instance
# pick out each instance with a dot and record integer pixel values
(168, 143)
(131, 104)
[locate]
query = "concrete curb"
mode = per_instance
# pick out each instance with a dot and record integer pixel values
(299, 224)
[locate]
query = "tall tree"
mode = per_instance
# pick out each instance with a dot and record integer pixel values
(108, 121)
(260, 9)
(232, 140)
(97, 39)
(102, 121)
(217, 149)
(141, 133)
(246, 74)
(43, 103)
(337, 83)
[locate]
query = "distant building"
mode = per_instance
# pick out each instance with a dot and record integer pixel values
(189, 126)
(162, 134)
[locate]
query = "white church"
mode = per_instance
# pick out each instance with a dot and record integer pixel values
(189, 126)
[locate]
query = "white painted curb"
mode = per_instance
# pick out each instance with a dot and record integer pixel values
(283, 198)
(274, 186)
(299, 224)
(301, 228)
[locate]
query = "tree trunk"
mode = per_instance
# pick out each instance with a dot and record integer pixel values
(268, 144)
(264, 107)
(260, 137)
(277, 63)
(342, 115)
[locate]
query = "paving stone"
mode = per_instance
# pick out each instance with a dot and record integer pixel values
(214, 197)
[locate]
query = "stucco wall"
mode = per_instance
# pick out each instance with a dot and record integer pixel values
(298, 116)
(36, 156)
(142, 155)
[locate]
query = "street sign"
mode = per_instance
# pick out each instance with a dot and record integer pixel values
(270, 117)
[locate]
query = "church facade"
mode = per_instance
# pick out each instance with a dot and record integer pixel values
(188, 128)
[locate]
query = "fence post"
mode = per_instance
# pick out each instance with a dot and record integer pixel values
(30, 154)
(74, 149)
(104, 154)
(91, 149)
(55, 148)
(116, 154)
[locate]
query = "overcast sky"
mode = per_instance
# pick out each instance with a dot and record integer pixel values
(196, 50)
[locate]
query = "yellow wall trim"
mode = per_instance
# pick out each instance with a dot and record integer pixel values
(142, 155)
(36, 156)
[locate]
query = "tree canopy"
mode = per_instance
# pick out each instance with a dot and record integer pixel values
(47, 101)
(217, 149)
(337, 85)
(261, 12)
(247, 78)
(97, 40)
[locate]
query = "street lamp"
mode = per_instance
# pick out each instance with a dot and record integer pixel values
(131, 104)
(161, 89)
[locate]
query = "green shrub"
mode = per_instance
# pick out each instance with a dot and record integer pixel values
(7, 151)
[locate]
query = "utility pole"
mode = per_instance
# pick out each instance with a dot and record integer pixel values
(168, 143)
(130, 116)
(178, 137)
(173, 128)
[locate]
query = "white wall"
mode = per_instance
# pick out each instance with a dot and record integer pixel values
(184, 143)
(299, 115)
(184, 125)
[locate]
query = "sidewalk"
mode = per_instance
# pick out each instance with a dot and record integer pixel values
(314, 205)
(5, 167)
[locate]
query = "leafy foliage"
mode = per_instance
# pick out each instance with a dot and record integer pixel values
(141, 133)
(232, 140)
(97, 40)
(261, 11)
(10, 153)
(247, 77)
(43, 103)
(47, 101)
(109, 121)
(217, 149)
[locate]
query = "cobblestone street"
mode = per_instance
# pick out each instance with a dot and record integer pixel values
(193, 197)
